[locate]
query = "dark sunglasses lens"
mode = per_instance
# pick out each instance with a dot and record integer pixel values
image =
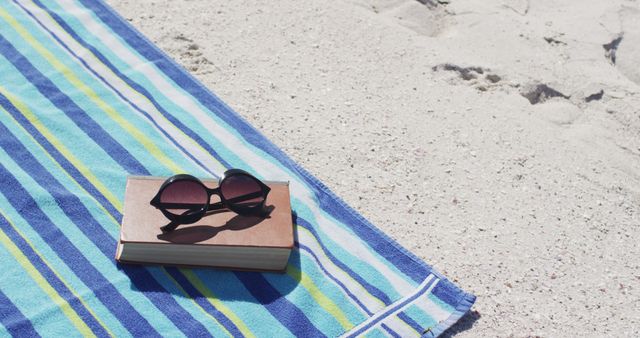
(242, 191)
(184, 198)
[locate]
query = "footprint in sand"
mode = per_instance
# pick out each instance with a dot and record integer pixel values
(480, 78)
(627, 51)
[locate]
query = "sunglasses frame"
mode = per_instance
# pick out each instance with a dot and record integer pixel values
(190, 217)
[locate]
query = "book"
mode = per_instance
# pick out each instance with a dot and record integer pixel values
(221, 239)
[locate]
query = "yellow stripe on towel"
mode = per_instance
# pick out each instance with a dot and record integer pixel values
(42, 282)
(90, 93)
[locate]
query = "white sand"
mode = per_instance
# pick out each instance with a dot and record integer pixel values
(532, 207)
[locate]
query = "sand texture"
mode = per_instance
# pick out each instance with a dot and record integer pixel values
(497, 140)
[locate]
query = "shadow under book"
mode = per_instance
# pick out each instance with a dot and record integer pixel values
(220, 239)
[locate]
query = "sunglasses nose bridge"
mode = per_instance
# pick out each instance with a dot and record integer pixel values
(213, 191)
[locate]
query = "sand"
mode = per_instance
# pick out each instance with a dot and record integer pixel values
(497, 140)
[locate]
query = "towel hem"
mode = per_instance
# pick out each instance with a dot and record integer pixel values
(463, 306)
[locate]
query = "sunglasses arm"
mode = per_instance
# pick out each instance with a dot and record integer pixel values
(169, 227)
(194, 206)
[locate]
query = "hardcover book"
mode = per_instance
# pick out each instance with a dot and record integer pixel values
(220, 239)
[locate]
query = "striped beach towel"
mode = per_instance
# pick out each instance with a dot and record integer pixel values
(85, 101)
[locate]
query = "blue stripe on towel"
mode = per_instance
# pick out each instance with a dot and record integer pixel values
(374, 291)
(21, 200)
(51, 277)
(195, 294)
(334, 279)
(288, 314)
(73, 171)
(65, 104)
(13, 320)
(133, 85)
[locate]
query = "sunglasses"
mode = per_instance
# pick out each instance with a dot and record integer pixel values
(184, 199)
